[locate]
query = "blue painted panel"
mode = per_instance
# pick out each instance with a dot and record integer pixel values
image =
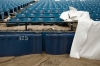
(58, 43)
(3, 42)
(8, 46)
(69, 39)
(20, 44)
(30, 43)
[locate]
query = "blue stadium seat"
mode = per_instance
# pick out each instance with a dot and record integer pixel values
(15, 9)
(65, 9)
(6, 11)
(25, 19)
(25, 11)
(60, 11)
(95, 17)
(54, 11)
(13, 21)
(37, 20)
(11, 9)
(39, 11)
(46, 11)
(32, 11)
(20, 15)
(48, 19)
(56, 15)
(58, 20)
(48, 15)
(29, 15)
(38, 15)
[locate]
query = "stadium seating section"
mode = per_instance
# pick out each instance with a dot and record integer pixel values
(11, 6)
(47, 10)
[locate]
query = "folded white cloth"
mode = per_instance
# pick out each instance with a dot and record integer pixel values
(65, 15)
(71, 15)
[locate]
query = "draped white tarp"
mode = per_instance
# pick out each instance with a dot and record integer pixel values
(86, 42)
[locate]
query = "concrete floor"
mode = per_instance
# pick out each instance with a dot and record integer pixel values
(46, 60)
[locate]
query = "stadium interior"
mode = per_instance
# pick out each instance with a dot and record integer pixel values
(43, 16)
(35, 27)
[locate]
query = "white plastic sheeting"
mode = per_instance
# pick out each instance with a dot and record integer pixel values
(86, 42)
(65, 15)
(71, 15)
(91, 48)
(80, 38)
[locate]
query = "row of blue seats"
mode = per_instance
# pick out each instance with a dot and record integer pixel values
(31, 21)
(59, 11)
(23, 44)
(28, 15)
(62, 8)
(45, 10)
(35, 20)
(46, 18)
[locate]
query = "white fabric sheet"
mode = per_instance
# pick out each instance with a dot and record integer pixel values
(91, 47)
(86, 42)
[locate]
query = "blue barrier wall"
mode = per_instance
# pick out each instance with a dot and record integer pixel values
(20, 44)
(58, 43)
(23, 43)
